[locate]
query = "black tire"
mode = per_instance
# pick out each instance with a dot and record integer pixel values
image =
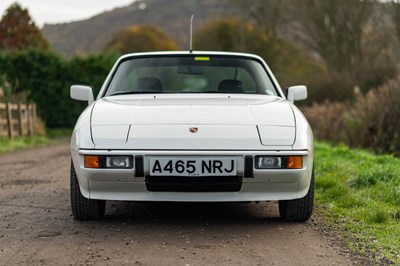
(84, 209)
(298, 210)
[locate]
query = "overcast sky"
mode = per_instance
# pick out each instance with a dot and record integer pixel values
(58, 11)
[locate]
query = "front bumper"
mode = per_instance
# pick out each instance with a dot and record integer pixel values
(132, 184)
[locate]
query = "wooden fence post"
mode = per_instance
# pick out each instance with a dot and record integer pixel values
(21, 115)
(34, 117)
(20, 129)
(9, 121)
(1, 124)
(29, 119)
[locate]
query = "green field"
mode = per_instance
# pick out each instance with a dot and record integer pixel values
(358, 194)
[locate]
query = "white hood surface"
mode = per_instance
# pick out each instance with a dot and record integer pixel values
(163, 122)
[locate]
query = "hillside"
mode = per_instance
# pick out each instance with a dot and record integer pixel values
(172, 16)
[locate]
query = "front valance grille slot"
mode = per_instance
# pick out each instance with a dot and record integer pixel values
(248, 166)
(194, 183)
(139, 169)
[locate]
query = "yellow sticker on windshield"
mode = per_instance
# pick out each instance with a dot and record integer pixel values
(202, 58)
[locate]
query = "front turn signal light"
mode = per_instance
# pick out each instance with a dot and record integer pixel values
(295, 162)
(92, 161)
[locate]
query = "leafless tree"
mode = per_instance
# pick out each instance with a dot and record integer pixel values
(267, 14)
(334, 29)
(396, 16)
(350, 36)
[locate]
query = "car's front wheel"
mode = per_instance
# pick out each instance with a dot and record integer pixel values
(83, 208)
(298, 210)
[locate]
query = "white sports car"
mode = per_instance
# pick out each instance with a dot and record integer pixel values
(191, 127)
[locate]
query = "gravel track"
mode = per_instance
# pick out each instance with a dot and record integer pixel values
(36, 226)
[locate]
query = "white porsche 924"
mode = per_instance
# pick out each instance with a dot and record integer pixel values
(191, 127)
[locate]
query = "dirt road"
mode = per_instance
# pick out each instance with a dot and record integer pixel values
(36, 226)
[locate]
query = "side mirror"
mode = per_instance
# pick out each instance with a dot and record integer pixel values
(82, 93)
(296, 93)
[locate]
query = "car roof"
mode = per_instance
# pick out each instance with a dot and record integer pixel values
(194, 53)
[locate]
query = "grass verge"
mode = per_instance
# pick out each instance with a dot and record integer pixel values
(359, 195)
(59, 133)
(7, 145)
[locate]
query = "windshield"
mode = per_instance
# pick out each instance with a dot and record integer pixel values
(190, 74)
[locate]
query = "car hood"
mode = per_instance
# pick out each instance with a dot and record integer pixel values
(164, 121)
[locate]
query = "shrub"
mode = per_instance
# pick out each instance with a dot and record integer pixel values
(376, 118)
(332, 86)
(371, 120)
(326, 121)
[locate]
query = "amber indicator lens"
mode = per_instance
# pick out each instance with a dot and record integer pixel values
(92, 161)
(295, 162)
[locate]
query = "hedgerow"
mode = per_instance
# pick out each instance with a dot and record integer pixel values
(46, 78)
(371, 120)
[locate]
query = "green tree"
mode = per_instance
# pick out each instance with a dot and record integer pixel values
(287, 62)
(141, 39)
(19, 32)
(235, 36)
